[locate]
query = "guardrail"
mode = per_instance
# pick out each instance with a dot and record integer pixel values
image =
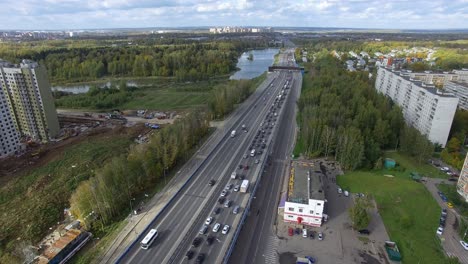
(252, 195)
(142, 234)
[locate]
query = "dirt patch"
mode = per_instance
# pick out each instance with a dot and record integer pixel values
(368, 259)
(14, 166)
(287, 258)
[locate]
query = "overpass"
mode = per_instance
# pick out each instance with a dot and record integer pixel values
(290, 68)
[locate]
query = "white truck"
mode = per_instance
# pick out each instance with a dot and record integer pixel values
(244, 186)
(233, 133)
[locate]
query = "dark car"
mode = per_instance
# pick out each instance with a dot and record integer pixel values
(221, 200)
(259, 151)
(200, 258)
(263, 146)
(246, 167)
(444, 212)
(217, 210)
(209, 240)
(211, 183)
(364, 232)
(250, 147)
(189, 254)
(297, 231)
(453, 179)
(240, 166)
(241, 177)
(196, 242)
(312, 235)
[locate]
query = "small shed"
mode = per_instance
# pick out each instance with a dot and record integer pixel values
(415, 176)
(389, 163)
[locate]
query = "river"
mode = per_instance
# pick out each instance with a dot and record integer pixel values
(249, 69)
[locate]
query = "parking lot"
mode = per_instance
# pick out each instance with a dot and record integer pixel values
(340, 244)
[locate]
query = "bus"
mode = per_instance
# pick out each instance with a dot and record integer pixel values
(149, 239)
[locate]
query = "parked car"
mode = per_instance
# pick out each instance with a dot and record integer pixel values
(290, 231)
(257, 161)
(228, 203)
(464, 244)
(200, 258)
(449, 205)
(453, 179)
(221, 200)
(216, 227)
(440, 230)
(444, 212)
(297, 231)
(346, 193)
(211, 182)
(364, 232)
(304, 233)
(320, 236)
(240, 166)
(236, 188)
(217, 210)
(196, 242)
(340, 190)
(223, 193)
(209, 220)
(228, 187)
(189, 254)
(312, 234)
(209, 240)
(236, 209)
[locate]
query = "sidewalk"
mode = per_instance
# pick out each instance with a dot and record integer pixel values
(138, 223)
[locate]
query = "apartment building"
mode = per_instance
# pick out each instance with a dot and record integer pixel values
(29, 99)
(460, 90)
(306, 197)
(462, 184)
(424, 107)
(9, 136)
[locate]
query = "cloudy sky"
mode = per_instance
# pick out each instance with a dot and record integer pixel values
(78, 14)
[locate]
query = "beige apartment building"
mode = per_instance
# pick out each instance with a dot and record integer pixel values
(462, 185)
(29, 99)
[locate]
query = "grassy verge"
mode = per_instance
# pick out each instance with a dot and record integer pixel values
(276, 61)
(35, 200)
(410, 165)
(409, 212)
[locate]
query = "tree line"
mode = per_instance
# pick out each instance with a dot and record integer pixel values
(343, 116)
(99, 200)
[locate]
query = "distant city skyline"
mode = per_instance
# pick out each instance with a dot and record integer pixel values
(93, 14)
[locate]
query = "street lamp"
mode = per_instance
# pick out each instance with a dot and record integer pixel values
(131, 206)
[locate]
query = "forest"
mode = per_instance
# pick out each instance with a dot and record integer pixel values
(342, 115)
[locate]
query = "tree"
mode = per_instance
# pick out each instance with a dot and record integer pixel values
(359, 214)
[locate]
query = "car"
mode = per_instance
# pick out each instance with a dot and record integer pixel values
(444, 212)
(440, 230)
(217, 210)
(312, 234)
(304, 233)
(209, 240)
(228, 203)
(208, 220)
(200, 258)
(444, 198)
(236, 209)
(464, 244)
(259, 151)
(225, 229)
(246, 167)
(453, 179)
(203, 229)
(221, 200)
(240, 166)
(340, 190)
(236, 188)
(320, 236)
(346, 193)
(224, 193)
(189, 254)
(245, 156)
(444, 168)
(364, 232)
(241, 177)
(290, 231)
(297, 231)
(263, 146)
(449, 205)
(211, 182)
(216, 227)
(442, 222)
(228, 187)
(257, 161)
(449, 173)
(251, 147)
(196, 242)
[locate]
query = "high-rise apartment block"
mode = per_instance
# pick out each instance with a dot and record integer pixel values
(29, 100)
(424, 107)
(462, 185)
(9, 136)
(460, 90)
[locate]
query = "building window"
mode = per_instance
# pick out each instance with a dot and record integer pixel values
(291, 209)
(319, 204)
(300, 210)
(311, 211)
(290, 216)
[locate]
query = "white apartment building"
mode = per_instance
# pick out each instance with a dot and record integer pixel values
(9, 136)
(462, 184)
(306, 198)
(460, 90)
(424, 107)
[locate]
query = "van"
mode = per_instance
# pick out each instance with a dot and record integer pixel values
(252, 153)
(203, 229)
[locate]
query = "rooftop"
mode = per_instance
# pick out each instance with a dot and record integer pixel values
(464, 84)
(306, 183)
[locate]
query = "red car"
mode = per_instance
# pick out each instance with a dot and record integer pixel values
(290, 231)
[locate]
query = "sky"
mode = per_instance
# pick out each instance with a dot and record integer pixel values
(96, 14)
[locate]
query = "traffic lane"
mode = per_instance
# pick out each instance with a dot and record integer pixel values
(262, 115)
(241, 254)
(196, 184)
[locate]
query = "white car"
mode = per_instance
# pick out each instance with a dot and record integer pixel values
(225, 229)
(228, 187)
(245, 156)
(464, 244)
(304, 233)
(223, 193)
(340, 190)
(346, 193)
(257, 161)
(216, 227)
(320, 236)
(440, 230)
(236, 188)
(209, 220)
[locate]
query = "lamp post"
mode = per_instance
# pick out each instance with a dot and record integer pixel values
(131, 206)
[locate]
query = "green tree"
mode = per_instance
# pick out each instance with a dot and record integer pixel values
(359, 214)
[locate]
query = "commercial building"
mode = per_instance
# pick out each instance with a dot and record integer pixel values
(460, 90)
(9, 136)
(462, 184)
(29, 99)
(424, 107)
(305, 198)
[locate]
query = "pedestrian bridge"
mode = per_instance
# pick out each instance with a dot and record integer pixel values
(290, 68)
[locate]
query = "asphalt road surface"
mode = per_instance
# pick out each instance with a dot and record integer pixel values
(179, 224)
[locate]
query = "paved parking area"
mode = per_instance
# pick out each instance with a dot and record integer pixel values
(341, 244)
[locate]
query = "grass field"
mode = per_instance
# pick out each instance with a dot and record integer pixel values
(408, 210)
(410, 165)
(34, 201)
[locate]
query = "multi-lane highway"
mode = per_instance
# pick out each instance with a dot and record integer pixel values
(179, 224)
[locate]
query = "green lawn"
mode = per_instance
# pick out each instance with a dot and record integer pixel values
(410, 165)
(408, 210)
